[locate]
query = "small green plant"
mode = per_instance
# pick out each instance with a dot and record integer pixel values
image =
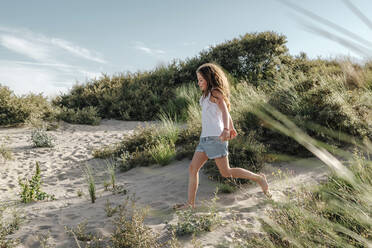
(43, 238)
(189, 222)
(40, 138)
(163, 152)
(31, 188)
(106, 184)
(130, 229)
(110, 211)
(91, 183)
(79, 193)
(79, 232)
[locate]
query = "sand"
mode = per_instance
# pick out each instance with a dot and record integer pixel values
(156, 187)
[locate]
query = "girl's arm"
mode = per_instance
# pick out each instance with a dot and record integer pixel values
(217, 95)
(233, 132)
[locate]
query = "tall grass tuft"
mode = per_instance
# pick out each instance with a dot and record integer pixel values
(111, 172)
(168, 127)
(163, 152)
(91, 182)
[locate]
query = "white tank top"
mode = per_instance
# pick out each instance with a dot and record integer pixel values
(212, 124)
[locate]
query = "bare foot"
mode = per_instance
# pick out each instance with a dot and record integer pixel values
(264, 185)
(182, 206)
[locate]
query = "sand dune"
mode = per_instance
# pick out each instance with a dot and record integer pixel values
(156, 187)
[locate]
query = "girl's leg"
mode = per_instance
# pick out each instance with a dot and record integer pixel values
(197, 162)
(226, 171)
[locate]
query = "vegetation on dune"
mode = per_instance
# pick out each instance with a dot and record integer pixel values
(15, 110)
(336, 213)
(274, 96)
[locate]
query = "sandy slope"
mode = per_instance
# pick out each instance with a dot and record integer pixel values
(156, 187)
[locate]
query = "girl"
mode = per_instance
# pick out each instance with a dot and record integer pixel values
(217, 129)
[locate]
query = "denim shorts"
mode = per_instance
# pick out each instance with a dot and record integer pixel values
(213, 147)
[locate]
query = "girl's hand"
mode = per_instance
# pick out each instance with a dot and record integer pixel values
(233, 133)
(225, 135)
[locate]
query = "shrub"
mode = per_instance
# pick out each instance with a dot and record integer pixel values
(29, 108)
(12, 109)
(86, 115)
(254, 57)
(31, 188)
(40, 138)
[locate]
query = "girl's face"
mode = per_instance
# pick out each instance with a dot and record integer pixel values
(201, 82)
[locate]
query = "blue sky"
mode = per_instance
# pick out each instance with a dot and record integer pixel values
(49, 45)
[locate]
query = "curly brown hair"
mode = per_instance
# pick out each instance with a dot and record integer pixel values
(216, 80)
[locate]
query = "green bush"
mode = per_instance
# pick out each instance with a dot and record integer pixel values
(253, 57)
(40, 138)
(12, 109)
(29, 108)
(86, 115)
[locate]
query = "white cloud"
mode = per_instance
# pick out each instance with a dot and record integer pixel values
(50, 71)
(24, 77)
(141, 46)
(25, 47)
(76, 50)
(41, 47)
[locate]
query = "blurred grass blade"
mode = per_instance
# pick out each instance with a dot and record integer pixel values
(284, 125)
(358, 13)
(326, 22)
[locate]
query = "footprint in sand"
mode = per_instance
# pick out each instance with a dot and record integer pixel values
(72, 216)
(45, 227)
(157, 204)
(62, 177)
(70, 190)
(50, 215)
